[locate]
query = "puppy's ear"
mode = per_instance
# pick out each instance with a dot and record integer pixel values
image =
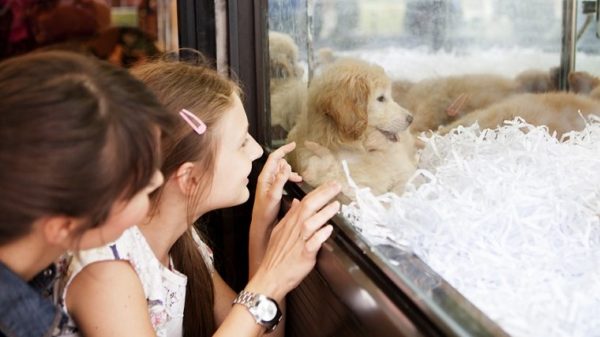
(347, 104)
(536, 81)
(582, 83)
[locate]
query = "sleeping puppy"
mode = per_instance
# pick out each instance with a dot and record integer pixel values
(351, 116)
(442, 100)
(537, 81)
(287, 88)
(439, 101)
(559, 111)
(583, 83)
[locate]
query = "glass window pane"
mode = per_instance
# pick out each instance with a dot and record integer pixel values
(446, 63)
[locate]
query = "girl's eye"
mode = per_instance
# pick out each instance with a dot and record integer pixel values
(381, 98)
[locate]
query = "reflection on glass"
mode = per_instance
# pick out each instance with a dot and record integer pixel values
(124, 32)
(288, 64)
(447, 63)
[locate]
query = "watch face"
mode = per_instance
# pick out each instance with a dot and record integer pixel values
(266, 310)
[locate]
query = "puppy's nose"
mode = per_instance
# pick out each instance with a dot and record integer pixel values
(409, 119)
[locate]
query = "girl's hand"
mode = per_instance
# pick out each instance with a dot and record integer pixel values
(295, 240)
(269, 188)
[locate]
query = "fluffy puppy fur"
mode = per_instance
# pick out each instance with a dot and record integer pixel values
(584, 83)
(440, 101)
(352, 116)
(559, 111)
(287, 88)
(537, 81)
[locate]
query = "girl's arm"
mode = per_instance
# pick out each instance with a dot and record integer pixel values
(224, 296)
(289, 257)
(107, 299)
(269, 190)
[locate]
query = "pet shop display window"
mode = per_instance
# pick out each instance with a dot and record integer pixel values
(123, 32)
(484, 252)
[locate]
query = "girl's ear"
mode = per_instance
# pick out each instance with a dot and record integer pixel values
(185, 178)
(59, 230)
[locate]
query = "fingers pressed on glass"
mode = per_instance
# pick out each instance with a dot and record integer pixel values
(319, 197)
(295, 177)
(312, 224)
(272, 165)
(316, 241)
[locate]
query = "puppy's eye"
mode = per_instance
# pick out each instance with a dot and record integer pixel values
(381, 98)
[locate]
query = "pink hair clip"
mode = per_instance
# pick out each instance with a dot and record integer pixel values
(196, 123)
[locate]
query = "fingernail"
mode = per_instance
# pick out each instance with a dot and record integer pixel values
(327, 231)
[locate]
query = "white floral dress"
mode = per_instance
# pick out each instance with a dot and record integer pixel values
(164, 287)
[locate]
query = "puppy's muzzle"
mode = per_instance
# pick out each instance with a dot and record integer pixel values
(391, 131)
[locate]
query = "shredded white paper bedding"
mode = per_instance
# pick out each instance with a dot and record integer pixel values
(511, 219)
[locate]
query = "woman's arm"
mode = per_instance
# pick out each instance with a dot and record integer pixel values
(107, 299)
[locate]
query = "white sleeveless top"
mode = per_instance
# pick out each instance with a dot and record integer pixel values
(164, 287)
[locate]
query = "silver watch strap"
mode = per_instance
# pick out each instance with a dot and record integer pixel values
(251, 300)
(245, 298)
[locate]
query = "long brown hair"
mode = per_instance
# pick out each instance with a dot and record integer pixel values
(207, 94)
(76, 135)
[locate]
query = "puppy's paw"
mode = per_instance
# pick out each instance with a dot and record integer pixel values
(319, 150)
(320, 165)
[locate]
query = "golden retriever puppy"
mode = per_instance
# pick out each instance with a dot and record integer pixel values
(288, 89)
(283, 56)
(537, 81)
(559, 111)
(440, 101)
(352, 116)
(582, 82)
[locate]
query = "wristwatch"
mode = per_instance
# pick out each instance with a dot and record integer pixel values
(264, 309)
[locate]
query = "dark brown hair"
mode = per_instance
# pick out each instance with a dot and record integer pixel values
(207, 94)
(76, 135)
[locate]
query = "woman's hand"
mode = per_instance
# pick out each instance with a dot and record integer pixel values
(269, 188)
(295, 240)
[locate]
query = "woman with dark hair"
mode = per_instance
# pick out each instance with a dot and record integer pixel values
(79, 154)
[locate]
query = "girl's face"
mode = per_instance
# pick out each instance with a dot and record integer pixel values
(236, 150)
(123, 215)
